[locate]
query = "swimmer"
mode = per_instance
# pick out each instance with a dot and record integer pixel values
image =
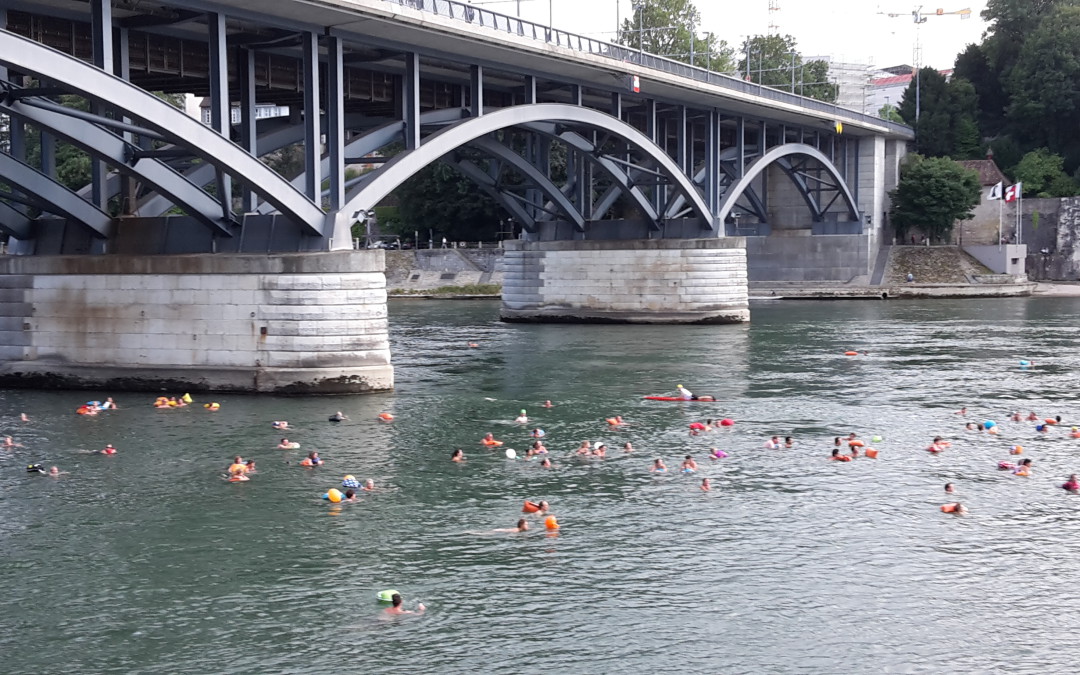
(836, 442)
(249, 466)
(282, 424)
(237, 466)
(545, 463)
(585, 448)
(109, 404)
(350, 496)
(627, 447)
(658, 466)
(616, 421)
(970, 426)
(397, 608)
(55, 471)
(537, 433)
(773, 443)
(458, 456)
(696, 428)
(961, 411)
(489, 439)
(1072, 485)
(107, 450)
(851, 437)
(312, 459)
(689, 464)
(338, 417)
(23, 417)
(9, 442)
(1032, 416)
(789, 442)
(949, 489)
(854, 452)
(522, 526)
(537, 448)
(716, 453)
(1042, 428)
(286, 444)
(548, 404)
(369, 485)
(936, 446)
(600, 451)
(1023, 468)
(955, 507)
(837, 457)
(705, 485)
(522, 418)
(1015, 417)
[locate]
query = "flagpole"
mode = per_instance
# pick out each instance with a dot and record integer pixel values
(1001, 207)
(1020, 218)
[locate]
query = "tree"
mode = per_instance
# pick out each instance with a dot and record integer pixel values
(1042, 174)
(944, 123)
(890, 113)
(774, 61)
(973, 65)
(933, 193)
(440, 199)
(669, 28)
(1045, 86)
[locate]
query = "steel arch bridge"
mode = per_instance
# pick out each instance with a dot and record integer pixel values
(563, 158)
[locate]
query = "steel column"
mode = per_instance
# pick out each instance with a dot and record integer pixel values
(616, 105)
(763, 147)
(335, 121)
(855, 184)
(650, 119)
(309, 45)
(102, 36)
(245, 69)
(410, 99)
(476, 90)
(220, 105)
(712, 162)
(530, 89)
(740, 147)
(123, 60)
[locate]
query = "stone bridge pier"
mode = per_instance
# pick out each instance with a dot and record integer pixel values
(289, 323)
(628, 281)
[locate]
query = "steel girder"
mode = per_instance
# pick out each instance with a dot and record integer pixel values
(117, 152)
(403, 166)
(47, 194)
(777, 155)
(15, 223)
(31, 57)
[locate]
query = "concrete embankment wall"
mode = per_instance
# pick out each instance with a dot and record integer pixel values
(1051, 230)
(286, 323)
(823, 257)
(638, 281)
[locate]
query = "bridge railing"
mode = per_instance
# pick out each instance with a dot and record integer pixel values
(479, 16)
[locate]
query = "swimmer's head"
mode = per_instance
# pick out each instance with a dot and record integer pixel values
(53, 470)
(350, 493)
(949, 488)
(688, 456)
(396, 599)
(522, 524)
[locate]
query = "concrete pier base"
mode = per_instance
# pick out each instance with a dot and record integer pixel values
(632, 281)
(291, 323)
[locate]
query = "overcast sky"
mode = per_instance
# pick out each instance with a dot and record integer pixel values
(851, 30)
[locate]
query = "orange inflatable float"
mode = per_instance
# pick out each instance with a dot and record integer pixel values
(491, 442)
(551, 523)
(386, 417)
(855, 443)
(950, 508)
(530, 507)
(871, 453)
(851, 353)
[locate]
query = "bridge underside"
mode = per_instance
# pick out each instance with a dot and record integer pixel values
(345, 117)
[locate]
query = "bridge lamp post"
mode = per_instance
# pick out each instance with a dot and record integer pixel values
(639, 7)
(367, 217)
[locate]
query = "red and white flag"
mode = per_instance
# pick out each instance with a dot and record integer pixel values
(1013, 192)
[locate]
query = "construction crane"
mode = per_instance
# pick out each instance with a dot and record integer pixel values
(919, 17)
(774, 17)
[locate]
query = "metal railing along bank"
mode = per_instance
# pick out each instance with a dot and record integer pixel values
(478, 16)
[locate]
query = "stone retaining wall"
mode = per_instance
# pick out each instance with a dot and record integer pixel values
(287, 323)
(637, 281)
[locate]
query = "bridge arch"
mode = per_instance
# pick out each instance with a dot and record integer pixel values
(781, 156)
(34, 58)
(540, 117)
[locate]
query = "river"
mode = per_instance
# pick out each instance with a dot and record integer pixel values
(148, 562)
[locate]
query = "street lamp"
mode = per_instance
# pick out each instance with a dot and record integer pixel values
(639, 7)
(367, 217)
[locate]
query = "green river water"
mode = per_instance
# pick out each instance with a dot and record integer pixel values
(148, 562)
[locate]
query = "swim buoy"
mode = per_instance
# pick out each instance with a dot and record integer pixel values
(386, 417)
(186, 398)
(855, 443)
(727, 422)
(851, 353)
(1016, 450)
(82, 410)
(612, 421)
(551, 523)
(871, 453)
(949, 508)
(842, 458)
(386, 596)
(334, 495)
(492, 443)
(1050, 420)
(530, 507)
(212, 406)
(306, 462)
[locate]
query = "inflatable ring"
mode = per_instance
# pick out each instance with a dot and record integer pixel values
(386, 596)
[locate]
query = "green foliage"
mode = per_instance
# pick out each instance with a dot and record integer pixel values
(774, 59)
(669, 28)
(1038, 169)
(933, 193)
(1045, 104)
(891, 113)
(440, 199)
(946, 125)
(973, 65)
